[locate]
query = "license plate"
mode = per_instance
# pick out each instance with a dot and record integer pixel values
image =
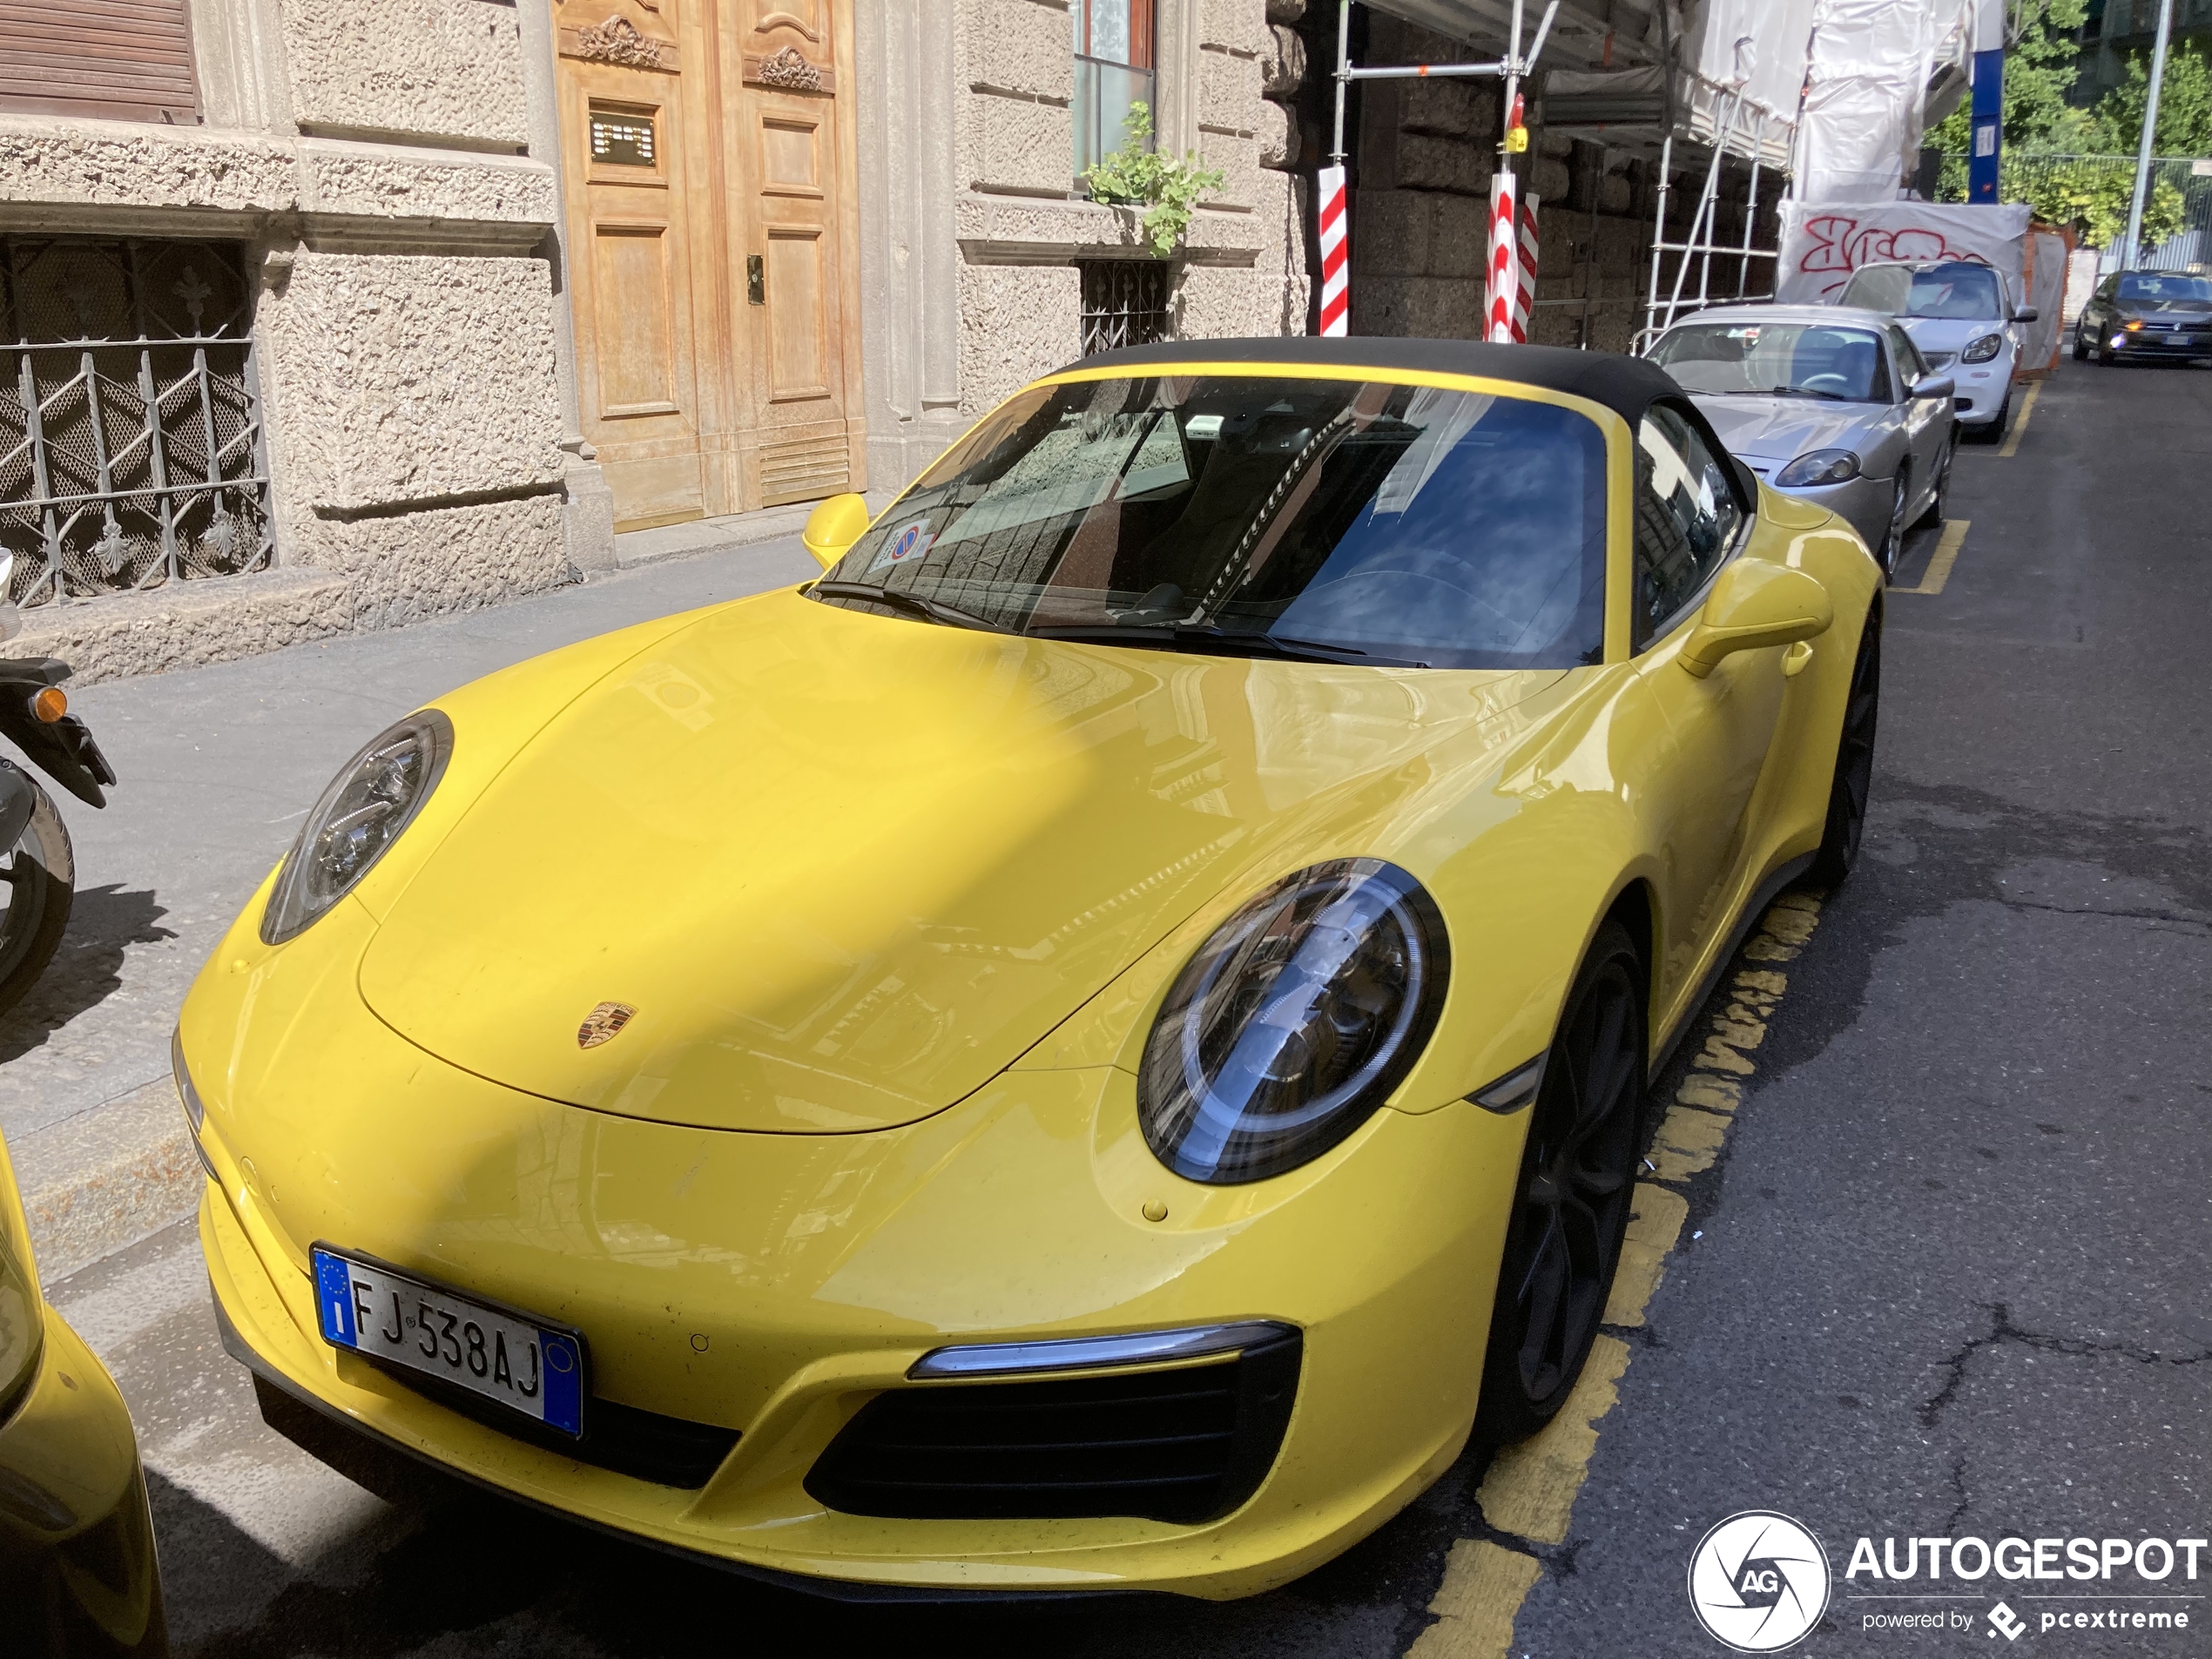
(506, 1356)
(2180, 340)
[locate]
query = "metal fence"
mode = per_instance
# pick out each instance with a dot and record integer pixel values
(2092, 193)
(131, 449)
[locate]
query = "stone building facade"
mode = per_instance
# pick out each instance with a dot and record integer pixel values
(352, 224)
(982, 257)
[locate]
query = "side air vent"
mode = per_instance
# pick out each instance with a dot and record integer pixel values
(1184, 1445)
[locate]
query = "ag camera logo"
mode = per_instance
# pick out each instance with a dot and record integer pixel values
(1759, 1582)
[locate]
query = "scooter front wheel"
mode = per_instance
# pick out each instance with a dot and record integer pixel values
(37, 885)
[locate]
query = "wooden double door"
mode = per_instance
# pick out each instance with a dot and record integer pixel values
(709, 157)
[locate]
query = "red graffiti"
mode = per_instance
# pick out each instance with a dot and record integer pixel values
(1838, 243)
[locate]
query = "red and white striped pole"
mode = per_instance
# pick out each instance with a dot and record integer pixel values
(1501, 306)
(1336, 252)
(1524, 293)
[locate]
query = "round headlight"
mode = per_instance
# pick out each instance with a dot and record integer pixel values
(1820, 467)
(371, 800)
(1293, 1023)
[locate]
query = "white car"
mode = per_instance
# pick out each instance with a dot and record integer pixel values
(1961, 315)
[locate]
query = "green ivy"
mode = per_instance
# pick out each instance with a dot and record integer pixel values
(1137, 176)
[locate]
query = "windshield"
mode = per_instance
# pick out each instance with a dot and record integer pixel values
(1770, 358)
(1338, 519)
(2165, 287)
(1954, 293)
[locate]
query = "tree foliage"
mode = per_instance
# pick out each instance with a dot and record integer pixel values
(2040, 67)
(2184, 107)
(1137, 176)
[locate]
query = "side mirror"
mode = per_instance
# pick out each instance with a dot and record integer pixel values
(1755, 604)
(1934, 386)
(2025, 313)
(834, 526)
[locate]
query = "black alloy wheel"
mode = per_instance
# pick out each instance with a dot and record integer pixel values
(1892, 547)
(1847, 795)
(1571, 1206)
(38, 885)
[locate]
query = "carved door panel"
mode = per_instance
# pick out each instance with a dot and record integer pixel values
(790, 173)
(629, 162)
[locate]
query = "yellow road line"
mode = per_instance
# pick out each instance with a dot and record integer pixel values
(2020, 421)
(1530, 1489)
(1947, 555)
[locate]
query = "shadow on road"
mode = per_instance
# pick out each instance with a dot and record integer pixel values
(103, 923)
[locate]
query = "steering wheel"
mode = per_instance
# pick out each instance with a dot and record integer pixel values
(1835, 383)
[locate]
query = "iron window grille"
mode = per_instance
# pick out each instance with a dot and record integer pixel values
(132, 451)
(1126, 302)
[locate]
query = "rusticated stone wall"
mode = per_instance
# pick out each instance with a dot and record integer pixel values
(971, 219)
(390, 166)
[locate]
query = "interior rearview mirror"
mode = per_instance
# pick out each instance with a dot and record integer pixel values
(1934, 386)
(2025, 313)
(834, 526)
(1754, 604)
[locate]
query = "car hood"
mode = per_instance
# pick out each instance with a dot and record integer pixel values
(2190, 311)
(845, 867)
(1773, 431)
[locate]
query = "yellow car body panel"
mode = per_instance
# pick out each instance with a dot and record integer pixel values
(77, 1569)
(896, 905)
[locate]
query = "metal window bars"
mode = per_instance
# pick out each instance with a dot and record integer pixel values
(132, 448)
(1125, 302)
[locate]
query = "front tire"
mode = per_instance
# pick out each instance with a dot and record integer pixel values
(38, 885)
(1854, 777)
(2081, 347)
(1572, 1199)
(1941, 501)
(1892, 548)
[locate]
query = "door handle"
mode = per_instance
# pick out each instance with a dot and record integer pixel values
(756, 280)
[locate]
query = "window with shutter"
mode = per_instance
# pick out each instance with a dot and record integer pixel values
(122, 59)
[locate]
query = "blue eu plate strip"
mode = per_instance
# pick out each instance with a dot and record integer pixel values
(334, 1298)
(563, 1382)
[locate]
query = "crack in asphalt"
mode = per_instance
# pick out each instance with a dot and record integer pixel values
(1958, 1485)
(2002, 1329)
(2121, 915)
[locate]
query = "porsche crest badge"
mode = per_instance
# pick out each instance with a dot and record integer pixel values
(604, 1023)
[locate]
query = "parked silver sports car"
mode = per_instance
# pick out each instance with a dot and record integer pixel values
(1836, 406)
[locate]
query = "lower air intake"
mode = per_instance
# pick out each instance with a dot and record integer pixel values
(1184, 1445)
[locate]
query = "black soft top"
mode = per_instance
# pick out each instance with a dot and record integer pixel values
(1625, 385)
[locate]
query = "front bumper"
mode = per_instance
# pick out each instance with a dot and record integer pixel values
(774, 1285)
(2147, 344)
(78, 1570)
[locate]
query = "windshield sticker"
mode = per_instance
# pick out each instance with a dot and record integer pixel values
(910, 544)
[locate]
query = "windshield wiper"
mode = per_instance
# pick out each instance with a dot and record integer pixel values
(913, 603)
(1807, 391)
(1218, 642)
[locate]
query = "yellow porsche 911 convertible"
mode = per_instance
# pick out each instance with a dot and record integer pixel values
(1087, 1048)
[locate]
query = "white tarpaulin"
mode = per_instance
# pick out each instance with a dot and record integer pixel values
(1822, 243)
(2048, 254)
(1867, 92)
(1759, 46)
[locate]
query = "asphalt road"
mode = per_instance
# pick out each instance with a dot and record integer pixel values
(1948, 1277)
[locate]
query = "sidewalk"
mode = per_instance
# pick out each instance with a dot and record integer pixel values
(218, 766)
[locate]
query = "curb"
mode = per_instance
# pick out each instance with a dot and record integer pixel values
(107, 1177)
